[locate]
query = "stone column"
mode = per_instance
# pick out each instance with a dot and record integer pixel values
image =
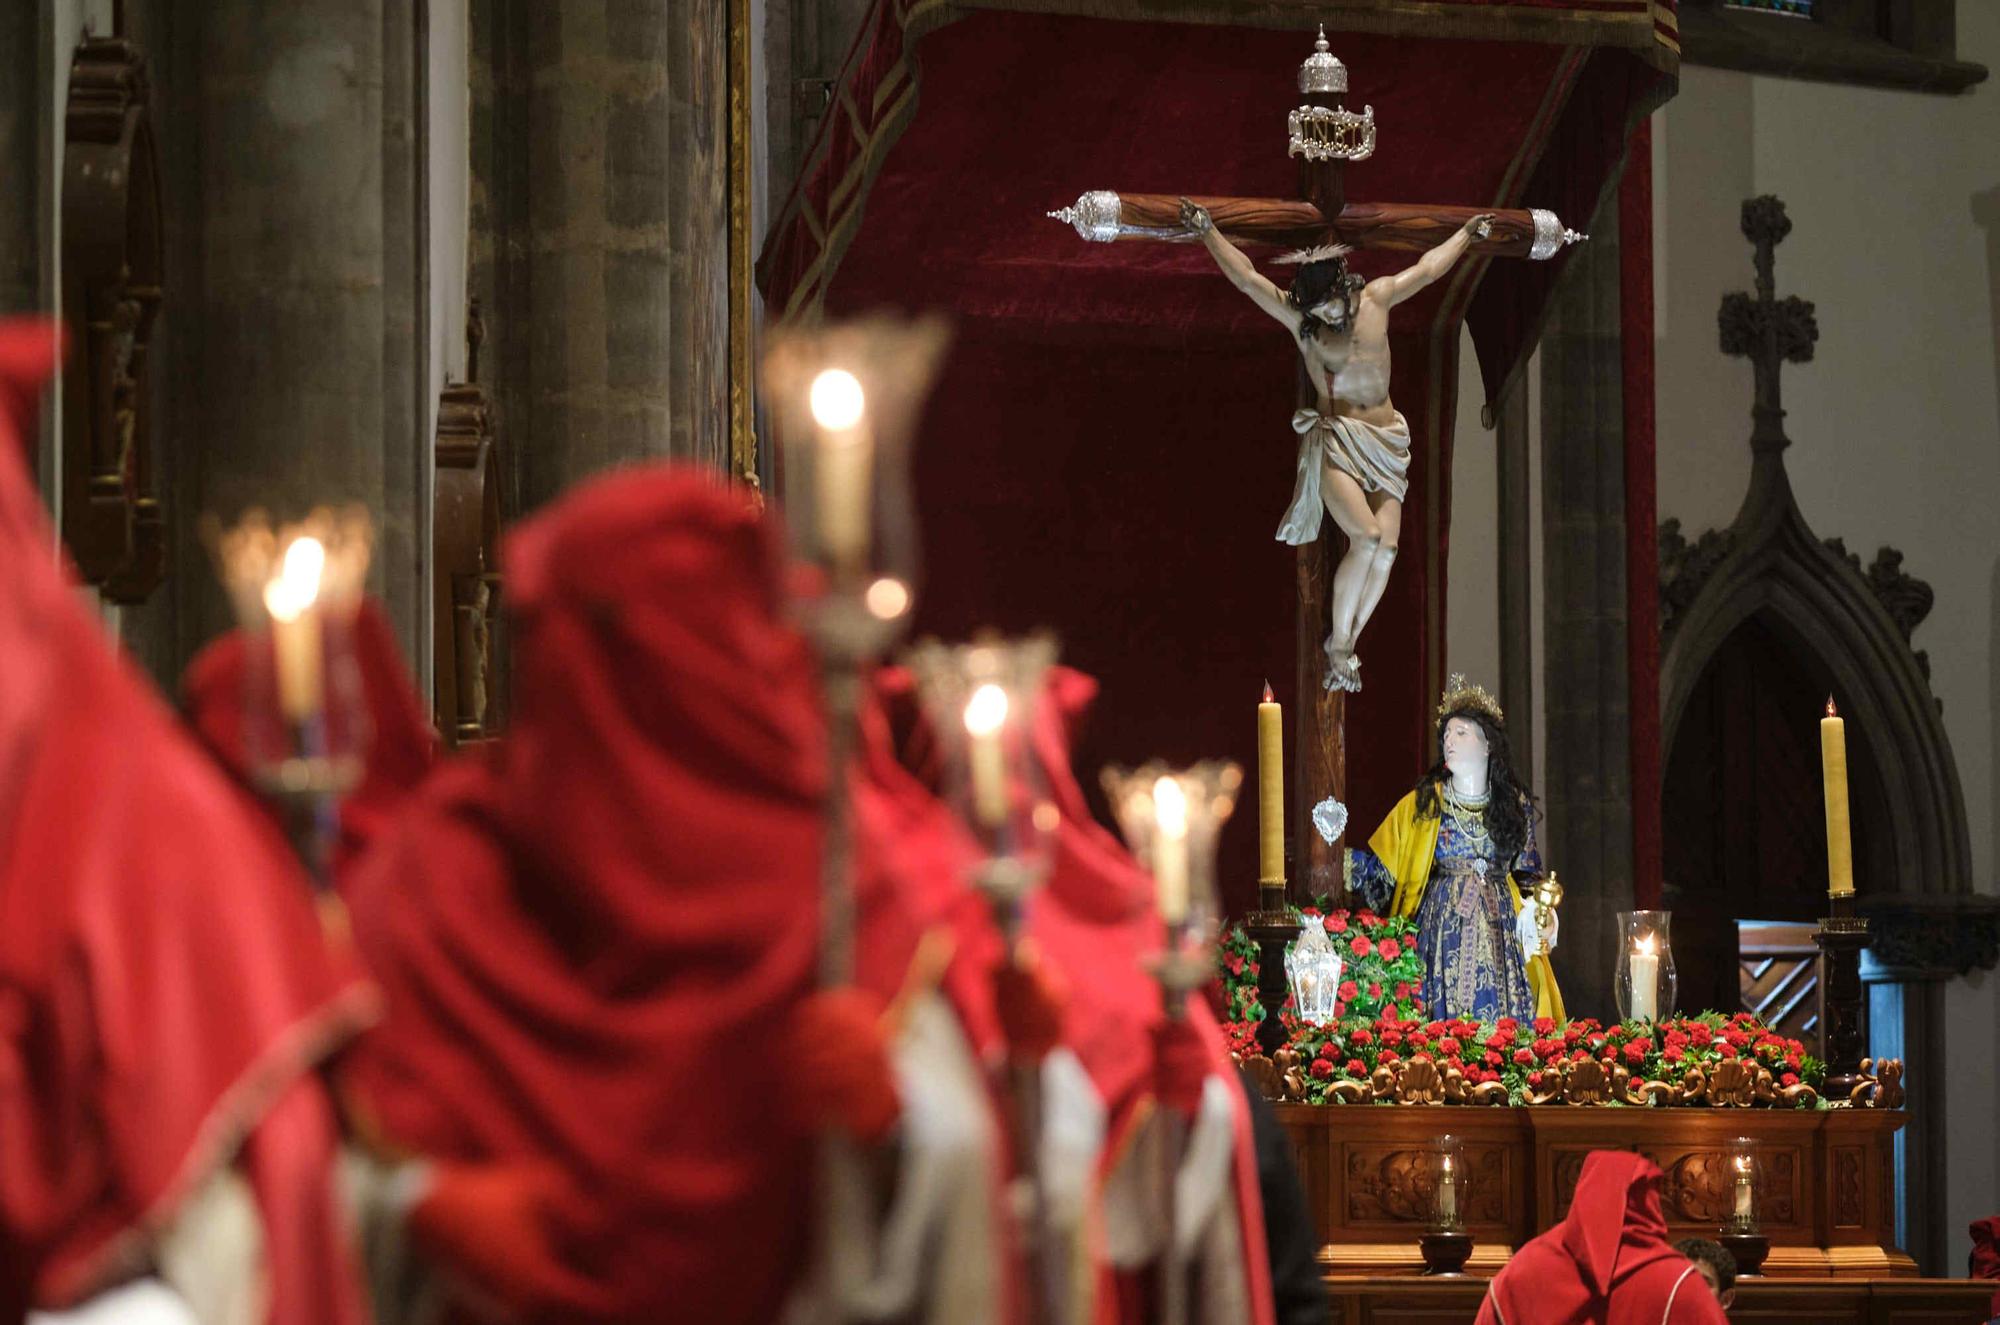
(297, 286)
(21, 90)
(601, 231)
(1586, 785)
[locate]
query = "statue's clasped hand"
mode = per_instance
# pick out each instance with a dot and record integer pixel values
(1195, 217)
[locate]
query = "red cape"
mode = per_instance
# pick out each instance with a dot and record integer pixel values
(593, 937)
(1984, 1262)
(164, 987)
(1608, 1262)
(1096, 924)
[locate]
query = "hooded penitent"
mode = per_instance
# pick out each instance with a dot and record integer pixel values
(1608, 1262)
(594, 937)
(164, 988)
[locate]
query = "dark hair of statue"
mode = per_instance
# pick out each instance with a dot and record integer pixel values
(1316, 283)
(1508, 803)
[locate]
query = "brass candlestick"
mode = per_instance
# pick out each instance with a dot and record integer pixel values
(1547, 896)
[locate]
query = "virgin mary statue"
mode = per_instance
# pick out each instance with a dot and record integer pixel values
(1454, 854)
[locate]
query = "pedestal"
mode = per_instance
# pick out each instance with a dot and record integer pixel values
(1445, 1253)
(1843, 1011)
(1271, 927)
(1749, 1249)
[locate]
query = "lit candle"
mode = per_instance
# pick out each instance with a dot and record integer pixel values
(1270, 791)
(985, 715)
(1447, 1193)
(1170, 849)
(1833, 767)
(846, 453)
(1743, 1208)
(1645, 980)
(291, 599)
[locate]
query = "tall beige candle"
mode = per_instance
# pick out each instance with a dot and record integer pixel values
(1270, 791)
(1833, 769)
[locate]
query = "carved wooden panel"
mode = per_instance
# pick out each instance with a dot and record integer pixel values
(111, 290)
(1825, 1196)
(467, 679)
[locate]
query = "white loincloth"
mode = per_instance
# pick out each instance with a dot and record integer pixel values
(1376, 457)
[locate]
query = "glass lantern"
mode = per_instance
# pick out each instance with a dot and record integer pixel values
(1645, 980)
(982, 699)
(1741, 1166)
(844, 400)
(1171, 819)
(1448, 1187)
(1312, 968)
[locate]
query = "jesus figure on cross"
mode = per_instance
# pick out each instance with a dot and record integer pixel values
(1354, 450)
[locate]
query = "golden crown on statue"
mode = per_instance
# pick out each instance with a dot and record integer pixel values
(1460, 695)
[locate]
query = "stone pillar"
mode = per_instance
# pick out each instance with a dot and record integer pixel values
(601, 231)
(22, 87)
(296, 275)
(1586, 784)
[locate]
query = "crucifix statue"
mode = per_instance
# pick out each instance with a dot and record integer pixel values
(1354, 446)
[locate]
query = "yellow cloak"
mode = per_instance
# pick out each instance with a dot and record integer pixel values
(1407, 844)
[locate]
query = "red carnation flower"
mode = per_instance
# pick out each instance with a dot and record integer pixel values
(1391, 1037)
(1635, 1052)
(1450, 1045)
(1789, 1079)
(1337, 923)
(1726, 1049)
(1361, 945)
(1390, 949)
(1420, 1057)
(1356, 1068)
(1674, 1053)
(1360, 1035)
(1347, 991)
(1492, 1059)
(1524, 1057)
(1701, 1034)
(1368, 918)
(1545, 1025)
(1534, 1078)
(1386, 1056)
(1326, 1049)
(1374, 990)
(1321, 1069)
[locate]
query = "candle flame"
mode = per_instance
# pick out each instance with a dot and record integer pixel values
(837, 400)
(1170, 808)
(1831, 711)
(1743, 1165)
(986, 711)
(296, 587)
(887, 598)
(1268, 697)
(1645, 946)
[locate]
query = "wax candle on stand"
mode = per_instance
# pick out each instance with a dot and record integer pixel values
(1170, 849)
(1645, 980)
(1833, 769)
(1447, 1192)
(291, 598)
(985, 715)
(844, 457)
(1270, 791)
(1744, 1211)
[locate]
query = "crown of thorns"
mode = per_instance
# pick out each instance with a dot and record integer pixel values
(1298, 257)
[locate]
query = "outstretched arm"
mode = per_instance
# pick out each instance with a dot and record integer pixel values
(1237, 267)
(1395, 289)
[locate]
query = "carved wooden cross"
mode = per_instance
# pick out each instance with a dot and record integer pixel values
(1768, 331)
(1324, 136)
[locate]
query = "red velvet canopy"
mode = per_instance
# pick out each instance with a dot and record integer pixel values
(1107, 453)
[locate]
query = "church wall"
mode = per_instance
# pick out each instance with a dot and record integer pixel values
(1895, 204)
(1472, 567)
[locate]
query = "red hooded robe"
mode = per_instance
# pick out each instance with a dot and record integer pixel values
(594, 937)
(1608, 1263)
(164, 988)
